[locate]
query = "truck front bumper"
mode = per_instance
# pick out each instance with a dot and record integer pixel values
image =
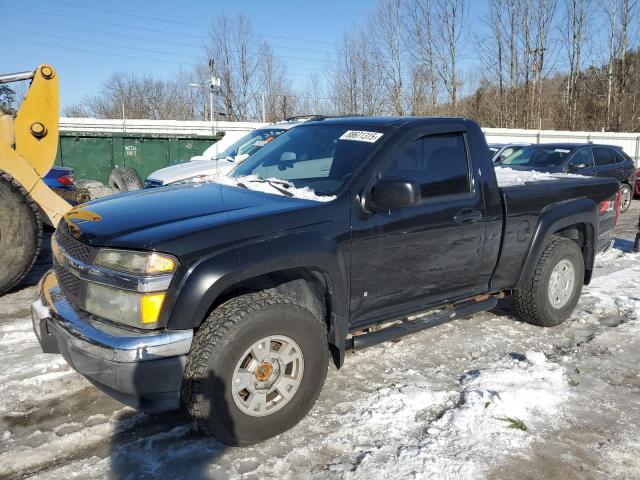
(143, 370)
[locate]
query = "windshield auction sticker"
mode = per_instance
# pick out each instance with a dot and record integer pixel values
(361, 136)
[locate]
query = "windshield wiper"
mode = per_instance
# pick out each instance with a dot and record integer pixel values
(273, 184)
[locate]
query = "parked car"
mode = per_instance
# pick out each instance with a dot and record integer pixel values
(583, 159)
(222, 162)
(503, 150)
(637, 183)
(229, 299)
(62, 181)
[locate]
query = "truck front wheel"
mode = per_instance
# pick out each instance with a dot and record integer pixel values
(554, 289)
(256, 367)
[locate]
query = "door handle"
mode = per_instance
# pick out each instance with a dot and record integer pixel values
(467, 216)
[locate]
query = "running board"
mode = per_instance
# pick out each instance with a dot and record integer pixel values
(469, 307)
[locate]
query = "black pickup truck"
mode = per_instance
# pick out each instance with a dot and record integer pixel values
(229, 298)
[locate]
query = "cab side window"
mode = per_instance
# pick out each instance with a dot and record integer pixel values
(438, 162)
(583, 157)
(604, 156)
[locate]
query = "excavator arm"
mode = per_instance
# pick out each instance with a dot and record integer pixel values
(28, 142)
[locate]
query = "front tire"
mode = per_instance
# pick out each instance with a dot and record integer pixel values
(554, 289)
(256, 367)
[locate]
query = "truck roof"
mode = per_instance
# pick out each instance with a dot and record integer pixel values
(396, 121)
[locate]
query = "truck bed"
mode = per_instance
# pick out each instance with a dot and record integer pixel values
(525, 195)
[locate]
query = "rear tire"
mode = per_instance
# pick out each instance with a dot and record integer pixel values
(626, 194)
(213, 390)
(545, 301)
(20, 232)
(125, 179)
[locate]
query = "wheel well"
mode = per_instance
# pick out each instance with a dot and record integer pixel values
(578, 233)
(310, 288)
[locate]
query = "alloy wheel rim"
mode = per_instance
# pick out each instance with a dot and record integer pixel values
(267, 376)
(561, 283)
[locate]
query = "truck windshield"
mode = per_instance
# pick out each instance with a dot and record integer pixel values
(538, 156)
(319, 157)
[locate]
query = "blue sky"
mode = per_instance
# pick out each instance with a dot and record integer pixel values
(74, 36)
(88, 40)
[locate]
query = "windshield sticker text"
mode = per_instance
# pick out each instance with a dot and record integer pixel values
(361, 136)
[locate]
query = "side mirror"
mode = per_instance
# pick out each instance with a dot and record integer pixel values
(577, 166)
(394, 193)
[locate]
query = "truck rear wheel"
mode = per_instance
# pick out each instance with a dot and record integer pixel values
(553, 291)
(256, 367)
(125, 179)
(20, 232)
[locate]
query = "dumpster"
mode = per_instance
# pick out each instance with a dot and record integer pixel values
(93, 155)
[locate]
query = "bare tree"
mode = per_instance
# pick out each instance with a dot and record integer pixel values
(574, 33)
(138, 97)
(385, 24)
(421, 45)
(235, 51)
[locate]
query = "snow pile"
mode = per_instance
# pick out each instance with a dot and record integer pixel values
(478, 431)
(258, 184)
(508, 177)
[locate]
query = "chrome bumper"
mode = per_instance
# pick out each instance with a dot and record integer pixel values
(143, 370)
(102, 340)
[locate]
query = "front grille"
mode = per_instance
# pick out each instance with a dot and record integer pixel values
(74, 248)
(71, 286)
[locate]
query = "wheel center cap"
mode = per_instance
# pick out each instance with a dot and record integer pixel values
(263, 372)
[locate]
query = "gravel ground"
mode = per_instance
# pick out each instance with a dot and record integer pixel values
(485, 397)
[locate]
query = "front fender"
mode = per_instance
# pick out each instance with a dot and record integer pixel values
(556, 218)
(206, 280)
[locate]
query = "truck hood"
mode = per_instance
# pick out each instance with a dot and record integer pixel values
(145, 218)
(182, 171)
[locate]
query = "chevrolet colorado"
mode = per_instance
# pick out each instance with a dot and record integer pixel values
(341, 234)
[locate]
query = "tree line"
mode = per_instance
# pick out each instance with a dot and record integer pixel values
(553, 64)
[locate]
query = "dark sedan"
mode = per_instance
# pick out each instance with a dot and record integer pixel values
(583, 159)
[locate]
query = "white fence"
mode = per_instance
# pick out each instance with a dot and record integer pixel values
(175, 127)
(630, 142)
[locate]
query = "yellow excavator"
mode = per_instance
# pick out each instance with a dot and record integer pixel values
(28, 145)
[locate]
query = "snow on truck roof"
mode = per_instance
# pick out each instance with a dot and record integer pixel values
(508, 177)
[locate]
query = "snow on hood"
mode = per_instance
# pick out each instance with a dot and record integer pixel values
(254, 182)
(508, 177)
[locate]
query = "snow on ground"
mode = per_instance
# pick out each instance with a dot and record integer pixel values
(508, 177)
(484, 397)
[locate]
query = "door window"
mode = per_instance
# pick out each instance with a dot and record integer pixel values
(582, 157)
(604, 156)
(438, 162)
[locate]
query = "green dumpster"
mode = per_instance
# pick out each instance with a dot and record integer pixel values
(93, 155)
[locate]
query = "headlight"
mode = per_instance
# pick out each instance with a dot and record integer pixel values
(138, 263)
(131, 308)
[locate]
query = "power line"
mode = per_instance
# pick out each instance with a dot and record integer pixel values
(74, 28)
(96, 52)
(163, 20)
(143, 50)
